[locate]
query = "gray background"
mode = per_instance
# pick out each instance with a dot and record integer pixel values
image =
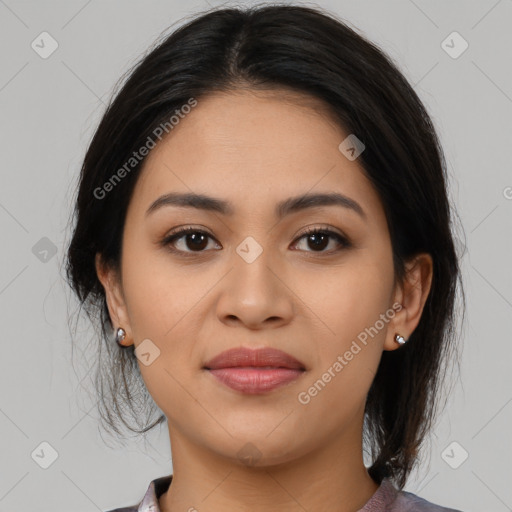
(49, 109)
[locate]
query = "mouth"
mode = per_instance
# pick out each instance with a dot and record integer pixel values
(255, 371)
(263, 358)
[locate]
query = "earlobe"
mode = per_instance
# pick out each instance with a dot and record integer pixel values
(396, 340)
(412, 295)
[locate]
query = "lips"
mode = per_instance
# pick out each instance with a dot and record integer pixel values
(258, 358)
(255, 371)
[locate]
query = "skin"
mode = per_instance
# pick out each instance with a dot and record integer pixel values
(254, 150)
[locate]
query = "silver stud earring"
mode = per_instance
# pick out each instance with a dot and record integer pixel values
(400, 339)
(120, 336)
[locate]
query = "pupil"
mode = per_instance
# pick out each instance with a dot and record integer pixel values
(196, 237)
(317, 245)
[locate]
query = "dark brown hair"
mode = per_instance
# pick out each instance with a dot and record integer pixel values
(285, 47)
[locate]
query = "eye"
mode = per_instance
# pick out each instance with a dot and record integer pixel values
(319, 238)
(194, 239)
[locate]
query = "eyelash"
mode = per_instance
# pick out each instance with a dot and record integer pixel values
(180, 233)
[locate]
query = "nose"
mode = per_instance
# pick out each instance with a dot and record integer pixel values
(255, 295)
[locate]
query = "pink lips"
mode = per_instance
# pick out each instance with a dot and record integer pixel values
(255, 371)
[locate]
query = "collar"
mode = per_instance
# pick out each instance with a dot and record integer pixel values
(381, 499)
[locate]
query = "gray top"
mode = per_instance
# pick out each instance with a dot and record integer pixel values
(386, 498)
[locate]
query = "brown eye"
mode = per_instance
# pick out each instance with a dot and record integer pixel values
(188, 239)
(318, 239)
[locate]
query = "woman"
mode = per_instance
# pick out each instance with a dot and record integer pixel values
(262, 225)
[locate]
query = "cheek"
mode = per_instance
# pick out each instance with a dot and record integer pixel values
(162, 301)
(160, 306)
(351, 314)
(349, 346)
(346, 300)
(158, 294)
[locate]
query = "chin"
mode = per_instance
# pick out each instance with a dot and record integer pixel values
(262, 450)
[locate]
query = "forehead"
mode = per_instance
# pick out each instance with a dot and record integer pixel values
(251, 147)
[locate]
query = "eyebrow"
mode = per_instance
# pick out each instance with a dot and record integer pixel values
(283, 208)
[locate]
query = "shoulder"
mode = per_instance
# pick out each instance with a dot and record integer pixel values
(125, 509)
(149, 502)
(134, 508)
(408, 502)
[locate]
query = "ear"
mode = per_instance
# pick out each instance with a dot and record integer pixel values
(111, 282)
(412, 295)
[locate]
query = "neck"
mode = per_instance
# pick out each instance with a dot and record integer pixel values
(330, 477)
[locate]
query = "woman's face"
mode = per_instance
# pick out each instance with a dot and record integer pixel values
(256, 279)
